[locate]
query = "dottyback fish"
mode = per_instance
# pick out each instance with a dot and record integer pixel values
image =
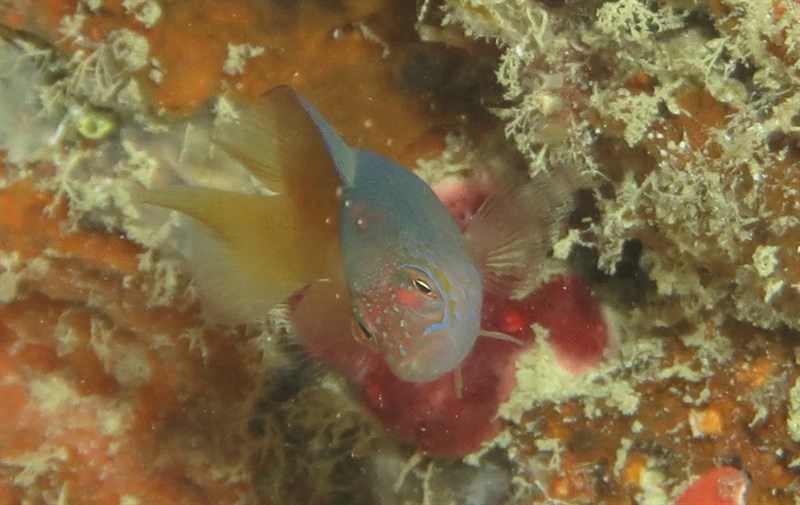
(366, 240)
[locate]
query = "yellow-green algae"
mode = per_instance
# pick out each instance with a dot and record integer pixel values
(712, 208)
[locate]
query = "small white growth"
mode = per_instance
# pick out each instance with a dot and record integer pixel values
(562, 248)
(165, 271)
(70, 26)
(66, 335)
(765, 260)
(622, 455)
(541, 379)
(555, 448)
(52, 393)
(635, 112)
(701, 399)
(100, 336)
(457, 158)
(36, 464)
(412, 462)
(225, 111)
(696, 420)
(115, 421)
(139, 162)
(130, 96)
(125, 362)
(652, 483)
(635, 21)
(129, 500)
(793, 417)
(93, 5)
(772, 288)
(371, 36)
(130, 48)
(238, 54)
(131, 368)
(147, 12)
(25, 121)
(197, 341)
(9, 265)
(157, 73)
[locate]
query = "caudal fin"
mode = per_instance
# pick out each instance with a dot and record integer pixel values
(251, 252)
(248, 252)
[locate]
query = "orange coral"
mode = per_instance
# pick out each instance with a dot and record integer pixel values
(307, 45)
(94, 385)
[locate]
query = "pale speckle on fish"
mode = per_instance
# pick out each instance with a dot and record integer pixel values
(352, 226)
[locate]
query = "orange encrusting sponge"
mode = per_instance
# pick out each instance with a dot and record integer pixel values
(103, 398)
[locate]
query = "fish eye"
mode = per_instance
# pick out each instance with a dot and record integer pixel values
(364, 330)
(422, 286)
(416, 280)
(360, 332)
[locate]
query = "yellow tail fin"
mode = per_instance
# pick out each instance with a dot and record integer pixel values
(250, 252)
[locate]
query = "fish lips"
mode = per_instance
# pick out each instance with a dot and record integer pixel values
(425, 364)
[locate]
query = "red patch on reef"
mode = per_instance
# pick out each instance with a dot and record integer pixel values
(462, 197)
(578, 330)
(430, 414)
(724, 485)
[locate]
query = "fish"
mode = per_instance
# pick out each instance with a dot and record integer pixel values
(367, 244)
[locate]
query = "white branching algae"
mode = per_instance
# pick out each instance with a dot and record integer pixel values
(703, 159)
(238, 54)
(147, 12)
(793, 417)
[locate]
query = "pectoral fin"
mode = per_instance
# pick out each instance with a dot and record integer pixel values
(513, 230)
(322, 322)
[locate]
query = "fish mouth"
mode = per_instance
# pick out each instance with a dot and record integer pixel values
(421, 366)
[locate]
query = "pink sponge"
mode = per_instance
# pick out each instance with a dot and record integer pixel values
(723, 485)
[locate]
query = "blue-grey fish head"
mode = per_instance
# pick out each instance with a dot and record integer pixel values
(415, 286)
(422, 319)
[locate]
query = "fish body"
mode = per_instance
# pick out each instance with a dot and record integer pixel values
(351, 228)
(415, 288)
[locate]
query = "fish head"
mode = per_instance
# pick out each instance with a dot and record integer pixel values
(415, 288)
(420, 319)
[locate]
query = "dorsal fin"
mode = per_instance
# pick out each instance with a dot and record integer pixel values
(343, 156)
(513, 230)
(284, 142)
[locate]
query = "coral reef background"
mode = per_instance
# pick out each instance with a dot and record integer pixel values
(115, 387)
